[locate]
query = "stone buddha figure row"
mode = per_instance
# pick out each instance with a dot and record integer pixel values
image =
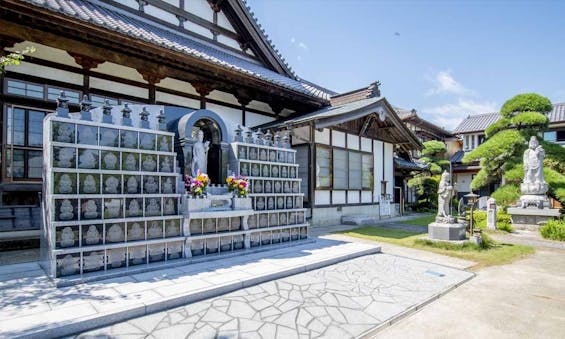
(115, 233)
(274, 186)
(262, 154)
(65, 185)
(273, 171)
(272, 203)
(113, 209)
(88, 159)
(88, 135)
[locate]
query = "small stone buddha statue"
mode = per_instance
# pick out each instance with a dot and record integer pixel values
(130, 140)
(64, 133)
(132, 185)
(135, 232)
(167, 186)
(93, 262)
(134, 208)
(110, 161)
(67, 237)
(65, 184)
(108, 137)
(147, 141)
(66, 210)
(170, 206)
(172, 229)
(166, 165)
(65, 157)
(90, 210)
(87, 159)
(153, 207)
(164, 145)
(69, 265)
(149, 164)
(113, 208)
(89, 185)
(92, 236)
(115, 233)
(87, 136)
(111, 185)
(130, 163)
(155, 230)
(151, 185)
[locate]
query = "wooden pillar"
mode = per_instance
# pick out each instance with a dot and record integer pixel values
(244, 100)
(277, 108)
(203, 88)
(87, 63)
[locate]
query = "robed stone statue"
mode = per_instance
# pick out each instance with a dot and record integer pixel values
(444, 194)
(533, 163)
(199, 155)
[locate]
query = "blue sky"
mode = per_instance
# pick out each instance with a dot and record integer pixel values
(446, 59)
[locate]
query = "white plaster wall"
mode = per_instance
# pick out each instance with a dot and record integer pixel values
(119, 70)
(301, 134)
(228, 42)
(338, 197)
(161, 14)
(116, 87)
(130, 3)
(327, 216)
(322, 137)
(224, 22)
(352, 141)
(463, 183)
(223, 96)
(366, 196)
(198, 29)
(353, 197)
(46, 72)
(338, 139)
(254, 119)
(231, 116)
(322, 197)
(177, 85)
(260, 106)
(176, 100)
(378, 168)
(389, 168)
(46, 53)
(366, 144)
(200, 8)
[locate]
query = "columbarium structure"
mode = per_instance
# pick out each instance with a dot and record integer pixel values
(114, 202)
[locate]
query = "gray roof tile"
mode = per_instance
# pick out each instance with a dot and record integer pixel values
(90, 12)
(558, 113)
(476, 123)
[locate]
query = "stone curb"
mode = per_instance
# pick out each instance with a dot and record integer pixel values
(141, 309)
(413, 309)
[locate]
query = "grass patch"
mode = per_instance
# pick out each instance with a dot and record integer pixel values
(554, 230)
(421, 221)
(491, 253)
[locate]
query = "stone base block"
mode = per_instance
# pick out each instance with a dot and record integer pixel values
(531, 218)
(440, 231)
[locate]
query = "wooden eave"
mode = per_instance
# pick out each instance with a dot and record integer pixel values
(31, 23)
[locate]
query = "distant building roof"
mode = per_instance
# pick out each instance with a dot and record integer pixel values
(558, 113)
(457, 157)
(98, 14)
(431, 130)
(476, 123)
(409, 165)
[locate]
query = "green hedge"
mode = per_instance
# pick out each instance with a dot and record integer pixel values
(503, 221)
(554, 230)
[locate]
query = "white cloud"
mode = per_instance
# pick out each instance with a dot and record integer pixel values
(444, 83)
(299, 57)
(303, 46)
(292, 40)
(450, 115)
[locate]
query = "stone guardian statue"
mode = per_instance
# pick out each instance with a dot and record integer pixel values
(444, 194)
(533, 163)
(199, 155)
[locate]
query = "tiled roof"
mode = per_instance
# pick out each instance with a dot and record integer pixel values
(138, 29)
(410, 165)
(476, 123)
(558, 113)
(403, 113)
(457, 156)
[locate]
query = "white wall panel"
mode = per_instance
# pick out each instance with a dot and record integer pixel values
(116, 87)
(177, 85)
(378, 168)
(322, 197)
(176, 100)
(366, 144)
(200, 8)
(260, 106)
(352, 197)
(224, 22)
(173, 2)
(130, 3)
(223, 97)
(46, 72)
(161, 14)
(353, 141)
(322, 137)
(389, 168)
(198, 29)
(231, 116)
(228, 42)
(463, 183)
(119, 71)
(338, 197)
(46, 53)
(366, 196)
(300, 135)
(254, 119)
(338, 138)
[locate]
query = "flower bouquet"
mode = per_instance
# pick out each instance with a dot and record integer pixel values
(238, 185)
(196, 186)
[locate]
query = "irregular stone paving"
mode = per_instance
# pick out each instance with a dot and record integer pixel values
(339, 301)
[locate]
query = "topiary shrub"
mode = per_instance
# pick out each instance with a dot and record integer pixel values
(527, 102)
(503, 221)
(554, 230)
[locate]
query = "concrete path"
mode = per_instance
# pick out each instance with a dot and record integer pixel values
(30, 305)
(525, 299)
(530, 238)
(340, 301)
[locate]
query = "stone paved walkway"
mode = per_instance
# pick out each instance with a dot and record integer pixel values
(339, 301)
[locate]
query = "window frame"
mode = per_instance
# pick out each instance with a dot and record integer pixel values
(347, 151)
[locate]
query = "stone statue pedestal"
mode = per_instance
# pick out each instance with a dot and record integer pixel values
(446, 231)
(531, 218)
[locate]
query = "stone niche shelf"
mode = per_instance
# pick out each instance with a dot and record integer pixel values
(111, 198)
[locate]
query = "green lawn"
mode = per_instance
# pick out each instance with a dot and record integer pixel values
(421, 221)
(497, 254)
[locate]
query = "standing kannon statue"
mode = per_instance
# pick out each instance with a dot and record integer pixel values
(444, 194)
(199, 155)
(533, 186)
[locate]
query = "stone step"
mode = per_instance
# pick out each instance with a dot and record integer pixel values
(359, 220)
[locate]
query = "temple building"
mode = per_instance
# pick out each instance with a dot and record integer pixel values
(209, 57)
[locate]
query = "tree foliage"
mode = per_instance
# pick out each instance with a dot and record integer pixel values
(14, 58)
(500, 155)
